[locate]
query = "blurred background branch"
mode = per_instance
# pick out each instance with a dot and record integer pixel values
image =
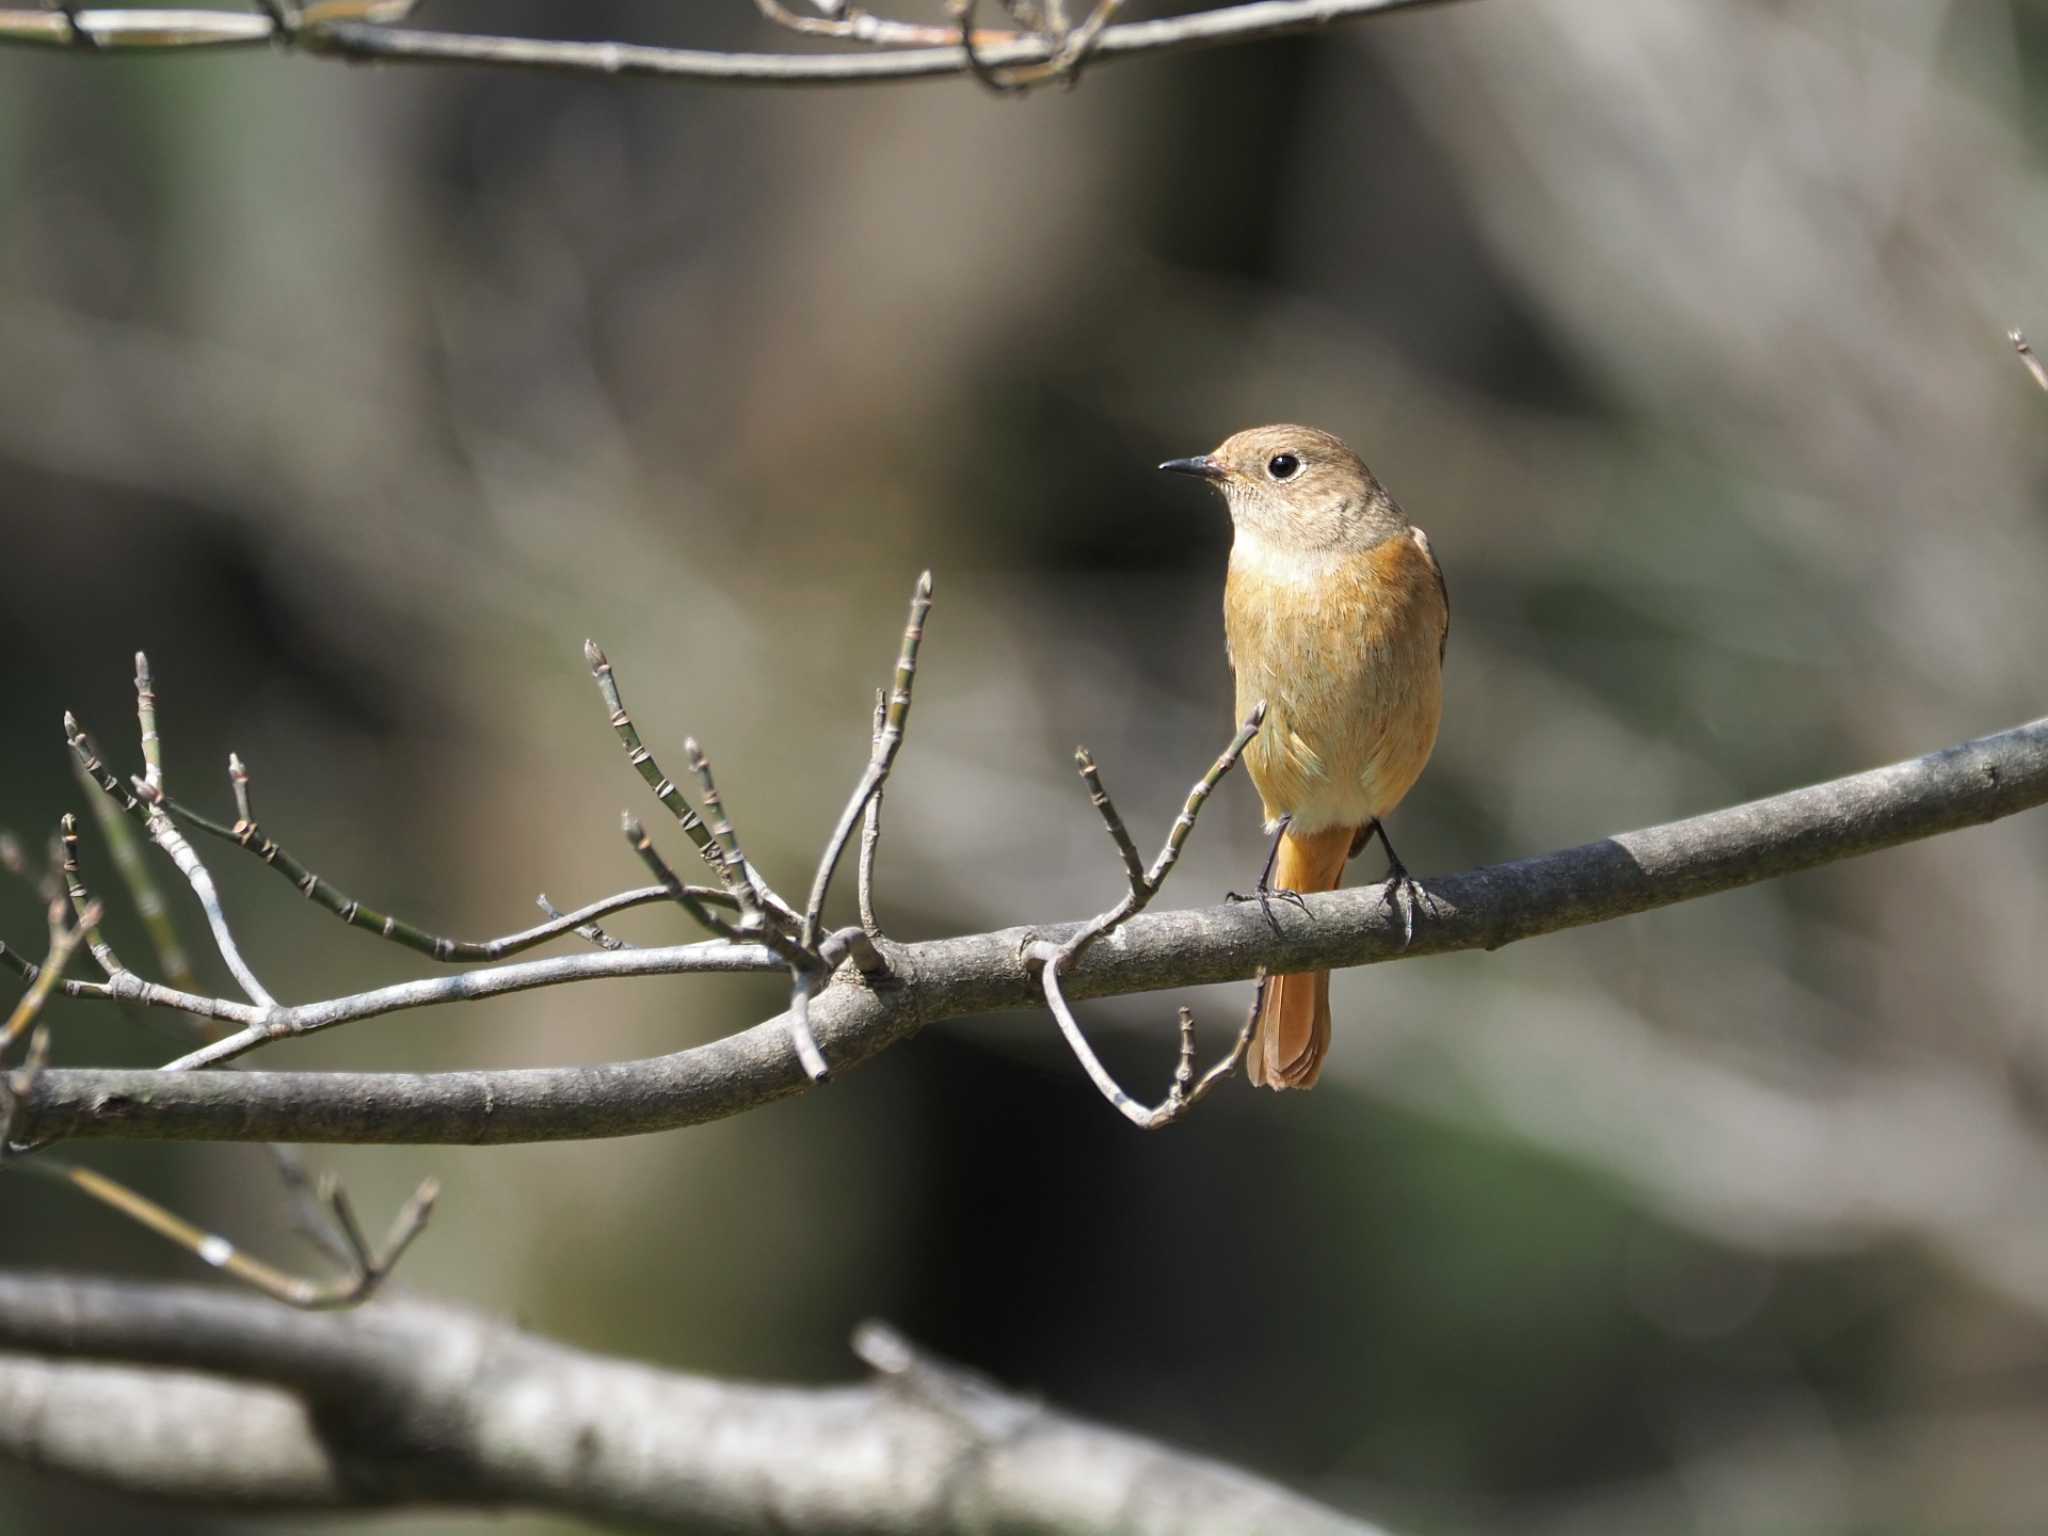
(190, 1397)
(1010, 61)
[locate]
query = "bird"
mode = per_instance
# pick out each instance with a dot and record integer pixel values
(1336, 616)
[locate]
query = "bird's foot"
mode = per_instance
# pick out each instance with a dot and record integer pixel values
(1265, 896)
(1404, 891)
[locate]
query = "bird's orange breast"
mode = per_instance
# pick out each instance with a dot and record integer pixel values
(1346, 649)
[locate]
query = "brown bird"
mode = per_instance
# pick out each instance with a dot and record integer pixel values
(1336, 615)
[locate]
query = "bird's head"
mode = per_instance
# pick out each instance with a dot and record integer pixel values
(1298, 487)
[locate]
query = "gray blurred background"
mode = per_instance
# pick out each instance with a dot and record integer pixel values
(360, 397)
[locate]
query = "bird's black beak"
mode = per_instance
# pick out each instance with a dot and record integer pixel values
(1202, 465)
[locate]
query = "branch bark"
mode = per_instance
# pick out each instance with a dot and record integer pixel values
(856, 1018)
(125, 31)
(197, 1396)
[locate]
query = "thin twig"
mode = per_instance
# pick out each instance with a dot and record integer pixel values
(260, 1027)
(801, 1036)
(731, 863)
(367, 1271)
(642, 842)
(2026, 352)
(124, 846)
(871, 831)
(145, 716)
(85, 911)
(643, 762)
(45, 882)
(64, 939)
(592, 931)
(881, 757)
(1113, 823)
(738, 875)
(311, 1217)
(248, 833)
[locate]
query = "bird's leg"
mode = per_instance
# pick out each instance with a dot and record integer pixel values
(1398, 881)
(1263, 893)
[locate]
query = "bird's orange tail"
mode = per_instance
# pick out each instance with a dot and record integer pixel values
(1293, 1034)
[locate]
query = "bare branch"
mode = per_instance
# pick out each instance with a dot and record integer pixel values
(322, 34)
(192, 1396)
(260, 1026)
(1960, 786)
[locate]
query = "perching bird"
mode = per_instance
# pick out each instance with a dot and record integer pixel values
(1336, 615)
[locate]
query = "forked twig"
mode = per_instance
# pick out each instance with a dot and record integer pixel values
(1180, 1097)
(147, 803)
(669, 795)
(888, 738)
(1142, 885)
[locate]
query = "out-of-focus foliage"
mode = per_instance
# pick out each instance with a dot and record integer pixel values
(360, 397)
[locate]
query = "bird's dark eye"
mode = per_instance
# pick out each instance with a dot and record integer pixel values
(1283, 466)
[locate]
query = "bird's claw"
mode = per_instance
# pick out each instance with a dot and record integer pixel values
(1398, 884)
(1265, 898)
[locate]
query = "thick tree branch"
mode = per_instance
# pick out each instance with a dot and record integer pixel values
(197, 1396)
(321, 32)
(856, 1018)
